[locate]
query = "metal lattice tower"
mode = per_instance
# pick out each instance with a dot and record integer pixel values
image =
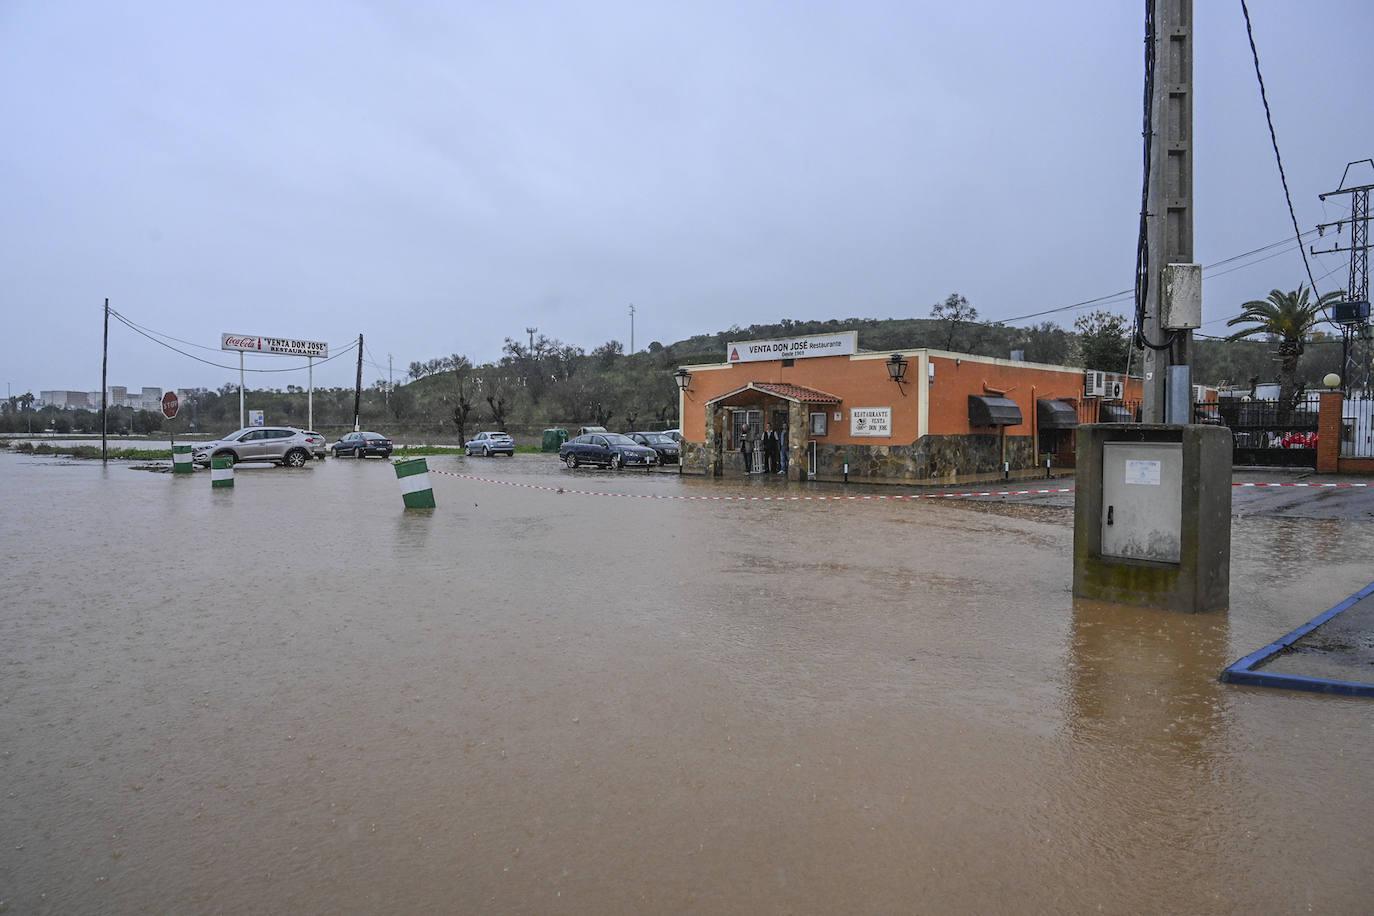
(1359, 244)
(1355, 329)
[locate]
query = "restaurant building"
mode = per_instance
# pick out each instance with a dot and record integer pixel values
(916, 416)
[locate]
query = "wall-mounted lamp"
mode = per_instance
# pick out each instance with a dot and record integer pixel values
(683, 379)
(896, 368)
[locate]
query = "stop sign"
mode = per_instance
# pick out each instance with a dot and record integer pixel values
(170, 405)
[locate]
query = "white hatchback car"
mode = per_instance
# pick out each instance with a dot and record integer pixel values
(283, 445)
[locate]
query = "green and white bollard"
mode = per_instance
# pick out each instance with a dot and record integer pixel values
(221, 471)
(181, 460)
(415, 487)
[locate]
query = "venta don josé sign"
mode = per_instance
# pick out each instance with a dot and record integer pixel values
(870, 421)
(845, 343)
(284, 346)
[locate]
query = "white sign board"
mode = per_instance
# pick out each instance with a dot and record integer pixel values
(1142, 473)
(845, 343)
(282, 346)
(870, 421)
(255, 418)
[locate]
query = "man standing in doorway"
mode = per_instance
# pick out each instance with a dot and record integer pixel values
(770, 449)
(746, 448)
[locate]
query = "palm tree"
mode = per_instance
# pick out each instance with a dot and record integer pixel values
(1287, 318)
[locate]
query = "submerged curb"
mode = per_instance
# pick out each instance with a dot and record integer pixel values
(1243, 672)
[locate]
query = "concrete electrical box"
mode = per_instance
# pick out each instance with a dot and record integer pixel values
(1142, 496)
(1152, 515)
(1180, 308)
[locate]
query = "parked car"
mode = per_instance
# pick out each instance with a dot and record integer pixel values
(360, 445)
(283, 445)
(323, 449)
(674, 434)
(610, 450)
(665, 445)
(491, 443)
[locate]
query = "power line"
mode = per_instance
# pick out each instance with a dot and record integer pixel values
(1274, 141)
(149, 334)
(148, 330)
(1126, 293)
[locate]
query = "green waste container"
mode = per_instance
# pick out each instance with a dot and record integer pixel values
(553, 438)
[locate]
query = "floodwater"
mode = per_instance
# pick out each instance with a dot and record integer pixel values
(296, 696)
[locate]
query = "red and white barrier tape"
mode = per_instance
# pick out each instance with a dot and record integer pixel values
(1301, 485)
(856, 498)
(533, 486)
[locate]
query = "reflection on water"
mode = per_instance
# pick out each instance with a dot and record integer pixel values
(297, 695)
(1148, 723)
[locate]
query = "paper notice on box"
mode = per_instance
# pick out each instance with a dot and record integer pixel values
(1142, 473)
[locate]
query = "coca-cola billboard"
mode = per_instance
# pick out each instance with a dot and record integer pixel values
(239, 342)
(282, 346)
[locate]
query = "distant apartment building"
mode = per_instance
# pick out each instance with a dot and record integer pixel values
(67, 400)
(118, 396)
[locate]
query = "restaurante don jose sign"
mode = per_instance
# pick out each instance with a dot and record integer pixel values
(282, 346)
(845, 343)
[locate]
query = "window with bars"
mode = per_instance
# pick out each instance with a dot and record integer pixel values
(738, 419)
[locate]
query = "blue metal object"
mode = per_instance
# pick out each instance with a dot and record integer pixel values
(1242, 672)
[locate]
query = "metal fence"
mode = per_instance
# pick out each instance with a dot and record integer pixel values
(1357, 425)
(1264, 434)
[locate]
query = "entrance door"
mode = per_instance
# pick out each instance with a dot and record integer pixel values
(754, 419)
(779, 421)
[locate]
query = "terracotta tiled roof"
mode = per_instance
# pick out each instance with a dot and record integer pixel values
(795, 392)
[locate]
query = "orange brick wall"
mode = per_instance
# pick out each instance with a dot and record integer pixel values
(1329, 432)
(958, 377)
(863, 381)
(860, 381)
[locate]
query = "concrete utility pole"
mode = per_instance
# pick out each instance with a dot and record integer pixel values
(1169, 232)
(104, 386)
(358, 389)
(632, 327)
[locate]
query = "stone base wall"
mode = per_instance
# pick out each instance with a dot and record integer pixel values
(930, 459)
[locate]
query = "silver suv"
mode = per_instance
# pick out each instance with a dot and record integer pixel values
(284, 445)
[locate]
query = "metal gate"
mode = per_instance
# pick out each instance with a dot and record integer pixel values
(1357, 425)
(1263, 434)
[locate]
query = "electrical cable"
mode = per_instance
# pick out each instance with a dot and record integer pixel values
(1142, 247)
(1274, 254)
(149, 332)
(207, 362)
(1274, 140)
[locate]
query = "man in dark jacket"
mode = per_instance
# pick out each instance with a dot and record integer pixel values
(771, 451)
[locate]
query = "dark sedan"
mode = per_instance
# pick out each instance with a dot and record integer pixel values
(664, 444)
(609, 450)
(360, 445)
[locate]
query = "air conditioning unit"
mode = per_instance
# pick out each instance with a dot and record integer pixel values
(1094, 384)
(1199, 394)
(1115, 389)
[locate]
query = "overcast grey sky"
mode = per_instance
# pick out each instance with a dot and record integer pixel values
(440, 176)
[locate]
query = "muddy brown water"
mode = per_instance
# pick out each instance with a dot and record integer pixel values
(296, 696)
